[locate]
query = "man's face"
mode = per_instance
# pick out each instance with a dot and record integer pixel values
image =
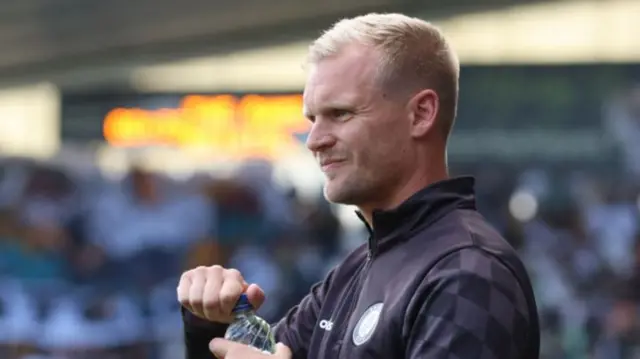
(359, 134)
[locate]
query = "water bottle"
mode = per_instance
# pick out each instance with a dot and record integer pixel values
(249, 329)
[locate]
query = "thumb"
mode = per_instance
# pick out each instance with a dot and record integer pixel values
(282, 351)
(256, 295)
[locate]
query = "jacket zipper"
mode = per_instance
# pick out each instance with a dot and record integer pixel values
(354, 294)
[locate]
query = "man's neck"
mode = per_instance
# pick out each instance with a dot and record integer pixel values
(416, 183)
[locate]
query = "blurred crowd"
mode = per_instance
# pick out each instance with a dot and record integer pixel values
(89, 264)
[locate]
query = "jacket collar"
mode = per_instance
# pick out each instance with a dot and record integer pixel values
(420, 210)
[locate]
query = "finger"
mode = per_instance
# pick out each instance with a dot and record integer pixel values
(282, 351)
(183, 291)
(230, 292)
(196, 289)
(256, 296)
(221, 347)
(211, 293)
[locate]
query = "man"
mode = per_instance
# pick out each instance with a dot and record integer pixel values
(434, 280)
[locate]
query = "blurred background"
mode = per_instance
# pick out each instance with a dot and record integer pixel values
(139, 139)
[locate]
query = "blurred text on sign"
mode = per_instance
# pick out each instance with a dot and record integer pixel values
(233, 127)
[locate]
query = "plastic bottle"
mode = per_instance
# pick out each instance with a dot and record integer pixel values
(249, 329)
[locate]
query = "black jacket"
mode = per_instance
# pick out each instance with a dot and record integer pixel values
(434, 281)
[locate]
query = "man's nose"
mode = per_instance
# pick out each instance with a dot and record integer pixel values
(318, 140)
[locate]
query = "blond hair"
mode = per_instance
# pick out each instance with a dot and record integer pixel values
(414, 54)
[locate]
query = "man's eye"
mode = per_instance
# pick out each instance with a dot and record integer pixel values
(341, 114)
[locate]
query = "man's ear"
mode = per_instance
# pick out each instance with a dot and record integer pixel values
(423, 107)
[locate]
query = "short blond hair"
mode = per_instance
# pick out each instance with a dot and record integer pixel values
(414, 54)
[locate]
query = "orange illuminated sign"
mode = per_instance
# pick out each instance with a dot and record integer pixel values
(248, 126)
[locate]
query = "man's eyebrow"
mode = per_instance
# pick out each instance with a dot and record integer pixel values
(335, 105)
(329, 105)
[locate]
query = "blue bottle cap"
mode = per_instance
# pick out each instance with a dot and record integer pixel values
(243, 304)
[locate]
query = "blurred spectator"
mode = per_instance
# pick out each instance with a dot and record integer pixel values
(240, 212)
(165, 321)
(86, 325)
(623, 322)
(622, 119)
(19, 327)
(143, 230)
(33, 255)
(613, 222)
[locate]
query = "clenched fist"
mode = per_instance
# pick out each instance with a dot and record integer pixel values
(211, 293)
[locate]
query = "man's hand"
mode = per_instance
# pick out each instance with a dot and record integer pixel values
(212, 292)
(225, 349)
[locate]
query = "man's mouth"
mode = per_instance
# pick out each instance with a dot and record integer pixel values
(326, 165)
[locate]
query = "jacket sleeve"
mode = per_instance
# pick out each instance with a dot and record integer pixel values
(197, 335)
(294, 330)
(470, 305)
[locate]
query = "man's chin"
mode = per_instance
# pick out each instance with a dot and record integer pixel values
(338, 195)
(331, 193)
